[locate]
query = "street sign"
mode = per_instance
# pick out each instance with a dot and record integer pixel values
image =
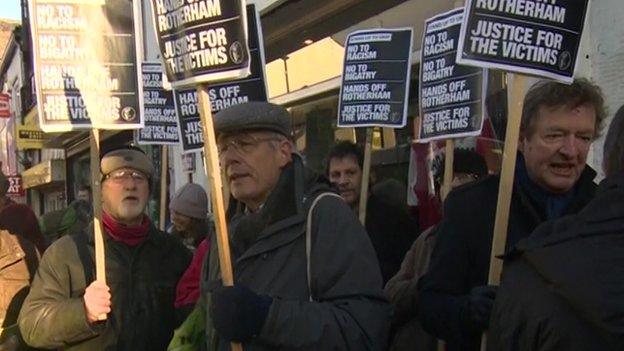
(375, 79)
(533, 37)
(451, 95)
(85, 59)
(161, 120)
(201, 41)
(30, 137)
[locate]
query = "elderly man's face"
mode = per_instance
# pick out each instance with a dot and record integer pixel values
(253, 163)
(555, 152)
(125, 193)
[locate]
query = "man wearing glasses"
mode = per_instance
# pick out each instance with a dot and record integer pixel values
(289, 293)
(65, 306)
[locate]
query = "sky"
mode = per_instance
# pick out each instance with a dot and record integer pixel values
(10, 9)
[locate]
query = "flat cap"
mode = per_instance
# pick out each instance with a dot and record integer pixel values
(126, 158)
(252, 116)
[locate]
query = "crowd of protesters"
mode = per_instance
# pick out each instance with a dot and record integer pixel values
(307, 274)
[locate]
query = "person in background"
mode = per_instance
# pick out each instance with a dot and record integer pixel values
(559, 123)
(66, 307)
(189, 214)
(70, 220)
(562, 288)
(295, 287)
(402, 288)
(391, 230)
(21, 246)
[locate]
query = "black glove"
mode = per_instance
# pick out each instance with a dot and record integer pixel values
(238, 313)
(479, 307)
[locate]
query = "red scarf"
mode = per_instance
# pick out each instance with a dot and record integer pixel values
(131, 236)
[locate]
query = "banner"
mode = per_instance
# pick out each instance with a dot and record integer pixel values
(85, 62)
(451, 95)
(5, 107)
(252, 88)
(15, 186)
(375, 78)
(201, 41)
(534, 37)
(161, 120)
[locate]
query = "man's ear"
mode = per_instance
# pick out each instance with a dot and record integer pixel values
(285, 151)
(521, 142)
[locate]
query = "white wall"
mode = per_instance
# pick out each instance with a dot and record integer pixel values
(605, 48)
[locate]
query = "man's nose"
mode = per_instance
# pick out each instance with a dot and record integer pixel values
(343, 180)
(569, 148)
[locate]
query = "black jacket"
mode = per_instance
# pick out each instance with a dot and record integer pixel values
(142, 282)
(563, 287)
(392, 232)
(461, 256)
(349, 311)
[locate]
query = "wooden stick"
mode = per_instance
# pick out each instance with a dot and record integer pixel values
(505, 187)
(98, 233)
(214, 178)
(449, 157)
(365, 175)
(164, 173)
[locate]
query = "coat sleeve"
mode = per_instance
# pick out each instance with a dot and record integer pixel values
(402, 289)
(50, 317)
(349, 311)
(444, 287)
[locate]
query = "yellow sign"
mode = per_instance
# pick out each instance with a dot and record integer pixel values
(30, 137)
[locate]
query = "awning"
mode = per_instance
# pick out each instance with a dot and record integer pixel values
(46, 173)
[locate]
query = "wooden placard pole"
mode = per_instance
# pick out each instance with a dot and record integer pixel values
(365, 175)
(98, 233)
(164, 173)
(449, 156)
(211, 157)
(505, 187)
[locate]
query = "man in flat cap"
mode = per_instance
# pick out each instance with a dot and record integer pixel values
(65, 306)
(297, 285)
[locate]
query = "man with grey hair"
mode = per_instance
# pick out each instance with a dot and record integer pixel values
(66, 306)
(563, 287)
(559, 123)
(301, 286)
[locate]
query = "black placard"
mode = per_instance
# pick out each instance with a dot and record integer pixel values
(161, 120)
(201, 41)
(86, 68)
(451, 95)
(252, 88)
(375, 78)
(527, 36)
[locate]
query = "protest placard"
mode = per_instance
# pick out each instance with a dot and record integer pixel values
(451, 95)
(201, 41)
(375, 78)
(161, 120)
(223, 95)
(85, 63)
(533, 37)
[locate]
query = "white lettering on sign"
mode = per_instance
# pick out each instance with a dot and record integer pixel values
(539, 9)
(172, 14)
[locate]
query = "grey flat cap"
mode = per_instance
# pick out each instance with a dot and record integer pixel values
(253, 115)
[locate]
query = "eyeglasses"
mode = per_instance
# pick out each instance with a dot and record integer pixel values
(121, 175)
(242, 144)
